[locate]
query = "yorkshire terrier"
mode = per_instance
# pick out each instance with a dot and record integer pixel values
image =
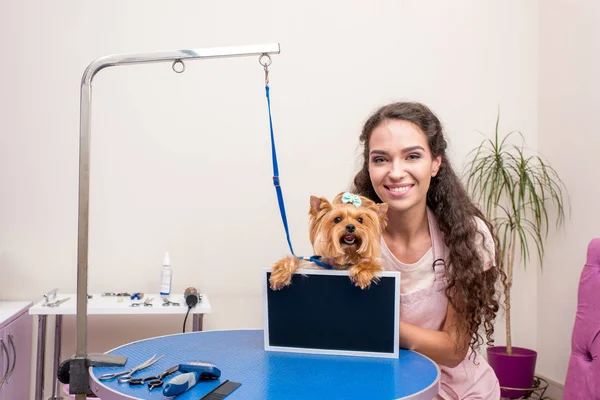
(345, 235)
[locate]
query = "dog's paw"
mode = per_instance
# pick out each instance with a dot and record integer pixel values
(280, 280)
(281, 274)
(362, 277)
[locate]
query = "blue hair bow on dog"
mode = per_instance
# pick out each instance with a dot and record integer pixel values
(351, 198)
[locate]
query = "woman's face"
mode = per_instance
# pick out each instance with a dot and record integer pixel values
(401, 164)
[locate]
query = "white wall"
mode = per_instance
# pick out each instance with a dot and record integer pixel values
(569, 89)
(182, 162)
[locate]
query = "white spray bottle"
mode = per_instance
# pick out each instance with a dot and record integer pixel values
(165, 277)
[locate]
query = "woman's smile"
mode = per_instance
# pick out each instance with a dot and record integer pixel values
(399, 191)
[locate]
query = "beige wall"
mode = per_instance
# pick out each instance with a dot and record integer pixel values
(569, 95)
(182, 162)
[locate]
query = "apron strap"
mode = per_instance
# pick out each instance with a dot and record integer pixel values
(437, 242)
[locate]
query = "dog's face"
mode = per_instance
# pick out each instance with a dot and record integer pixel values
(347, 229)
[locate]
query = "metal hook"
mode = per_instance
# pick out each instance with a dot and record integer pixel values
(265, 65)
(180, 69)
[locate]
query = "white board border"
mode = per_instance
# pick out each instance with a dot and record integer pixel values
(391, 274)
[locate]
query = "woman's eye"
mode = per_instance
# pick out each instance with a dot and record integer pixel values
(377, 160)
(337, 220)
(360, 220)
(414, 156)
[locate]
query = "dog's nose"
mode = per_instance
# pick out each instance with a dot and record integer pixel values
(350, 228)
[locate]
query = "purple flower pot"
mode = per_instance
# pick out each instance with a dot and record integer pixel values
(513, 371)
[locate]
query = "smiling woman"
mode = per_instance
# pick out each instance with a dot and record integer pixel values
(400, 164)
(441, 243)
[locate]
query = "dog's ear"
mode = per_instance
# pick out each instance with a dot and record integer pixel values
(317, 204)
(381, 210)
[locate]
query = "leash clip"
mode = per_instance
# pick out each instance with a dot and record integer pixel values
(265, 65)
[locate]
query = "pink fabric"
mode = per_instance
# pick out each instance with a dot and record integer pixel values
(583, 373)
(473, 378)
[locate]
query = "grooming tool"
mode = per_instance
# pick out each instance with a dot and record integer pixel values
(167, 302)
(155, 380)
(180, 384)
(125, 376)
(193, 372)
(204, 369)
(146, 303)
(191, 297)
(56, 303)
(221, 391)
(51, 295)
(154, 384)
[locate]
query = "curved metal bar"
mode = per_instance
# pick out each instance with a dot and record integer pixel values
(539, 385)
(84, 152)
(5, 376)
(10, 342)
(145, 58)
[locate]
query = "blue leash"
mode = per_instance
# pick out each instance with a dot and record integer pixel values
(276, 182)
(317, 260)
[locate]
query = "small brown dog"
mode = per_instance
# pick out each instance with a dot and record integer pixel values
(345, 235)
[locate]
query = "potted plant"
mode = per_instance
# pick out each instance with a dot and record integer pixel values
(516, 192)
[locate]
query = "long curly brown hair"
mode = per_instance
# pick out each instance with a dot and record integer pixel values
(472, 292)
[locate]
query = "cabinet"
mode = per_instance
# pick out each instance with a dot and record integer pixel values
(15, 350)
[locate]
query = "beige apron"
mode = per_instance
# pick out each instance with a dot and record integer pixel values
(426, 308)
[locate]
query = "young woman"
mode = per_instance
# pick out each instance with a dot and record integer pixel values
(439, 241)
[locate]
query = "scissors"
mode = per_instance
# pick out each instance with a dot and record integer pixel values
(146, 303)
(154, 381)
(167, 302)
(125, 376)
(56, 303)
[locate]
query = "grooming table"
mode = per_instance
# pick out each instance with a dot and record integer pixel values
(99, 305)
(241, 357)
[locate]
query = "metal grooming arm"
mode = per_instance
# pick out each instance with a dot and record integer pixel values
(79, 375)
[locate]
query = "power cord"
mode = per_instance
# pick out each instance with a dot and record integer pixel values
(186, 316)
(191, 299)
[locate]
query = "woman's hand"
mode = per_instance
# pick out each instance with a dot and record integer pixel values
(447, 347)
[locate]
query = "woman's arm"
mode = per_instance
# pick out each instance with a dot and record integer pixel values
(447, 347)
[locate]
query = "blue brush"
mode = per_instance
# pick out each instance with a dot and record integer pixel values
(193, 372)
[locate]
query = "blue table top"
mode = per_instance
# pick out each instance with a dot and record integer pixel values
(241, 357)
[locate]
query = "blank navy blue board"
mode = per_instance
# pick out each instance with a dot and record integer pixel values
(241, 357)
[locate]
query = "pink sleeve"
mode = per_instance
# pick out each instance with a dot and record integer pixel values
(485, 244)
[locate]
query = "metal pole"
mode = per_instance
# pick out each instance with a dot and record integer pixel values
(197, 322)
(176, 56)
(56, 358)
(41, 353)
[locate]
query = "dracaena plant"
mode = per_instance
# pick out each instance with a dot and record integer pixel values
(518, 193)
